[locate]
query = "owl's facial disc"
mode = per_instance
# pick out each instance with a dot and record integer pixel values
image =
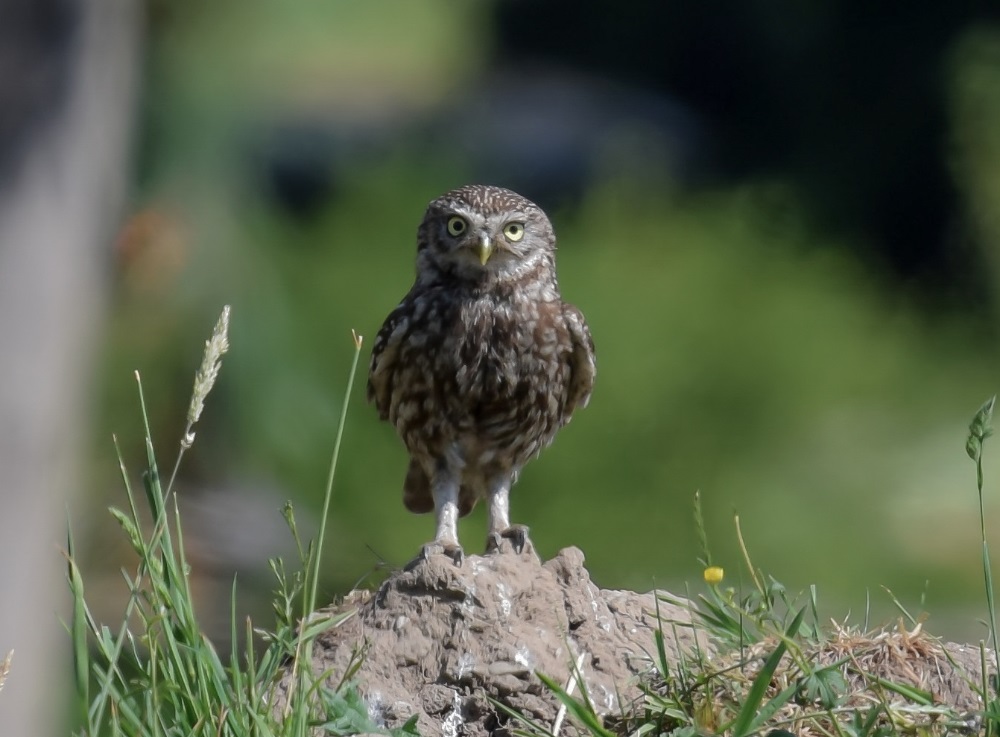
(493, 242)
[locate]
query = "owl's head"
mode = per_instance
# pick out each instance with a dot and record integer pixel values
(481, 230)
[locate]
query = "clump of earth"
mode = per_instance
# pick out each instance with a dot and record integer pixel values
(442, 642)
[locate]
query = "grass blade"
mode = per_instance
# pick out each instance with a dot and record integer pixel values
(81, 652)
(577, 708)
(745, 720)
(321, 534)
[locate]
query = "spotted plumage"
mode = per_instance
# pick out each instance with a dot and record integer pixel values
(482, 362)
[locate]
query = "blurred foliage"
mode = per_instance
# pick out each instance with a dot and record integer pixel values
(742, 350)
(976, 137)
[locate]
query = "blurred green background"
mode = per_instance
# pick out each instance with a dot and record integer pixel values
(780, 221)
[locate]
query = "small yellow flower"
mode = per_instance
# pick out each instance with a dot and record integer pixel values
(714, 574)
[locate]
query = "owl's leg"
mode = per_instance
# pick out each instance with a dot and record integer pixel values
(498, 509)
(444, 489)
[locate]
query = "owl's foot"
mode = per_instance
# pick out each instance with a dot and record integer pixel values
(516, 535)
(441, 547)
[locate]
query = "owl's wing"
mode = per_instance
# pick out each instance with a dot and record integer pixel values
(583, 366)
(385, 353)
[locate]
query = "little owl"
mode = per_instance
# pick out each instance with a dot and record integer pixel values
(482, 362)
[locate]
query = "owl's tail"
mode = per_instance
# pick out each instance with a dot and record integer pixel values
(417, 490)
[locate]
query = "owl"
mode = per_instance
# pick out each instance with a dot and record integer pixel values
(481, 363)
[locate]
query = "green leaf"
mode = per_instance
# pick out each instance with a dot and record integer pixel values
(917, 695)
(685, 732)
(81, 653)
(825, 685)
(316, 624)
(744, 722)
(409, 729)
(577, 708)
(350, 710)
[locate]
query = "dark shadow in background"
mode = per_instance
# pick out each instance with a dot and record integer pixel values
(846, 98)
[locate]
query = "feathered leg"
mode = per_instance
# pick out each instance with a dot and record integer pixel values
(500, 528)
(444, 488)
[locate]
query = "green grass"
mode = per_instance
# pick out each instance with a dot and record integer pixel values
(156, 673)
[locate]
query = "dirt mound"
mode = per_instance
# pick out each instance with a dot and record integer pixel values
(438, 639)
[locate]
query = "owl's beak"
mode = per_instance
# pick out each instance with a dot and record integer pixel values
(485, 248)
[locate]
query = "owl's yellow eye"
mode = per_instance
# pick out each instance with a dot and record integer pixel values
(457, 225)
(514, 231)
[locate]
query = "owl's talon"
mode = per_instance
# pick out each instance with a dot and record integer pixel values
(516, 534)
(451, 550)
(494, 543)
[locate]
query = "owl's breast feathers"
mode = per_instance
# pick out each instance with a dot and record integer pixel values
(502, 366)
